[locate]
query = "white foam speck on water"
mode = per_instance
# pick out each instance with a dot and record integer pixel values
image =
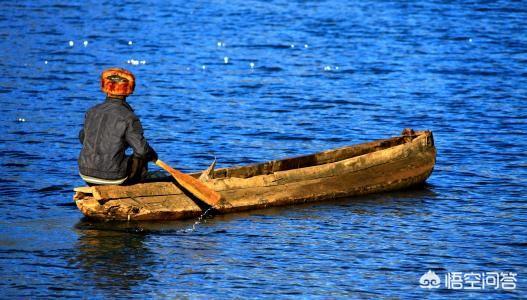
(21, 120)
(337, 68)
(226, 60)
(470, 40)
(45, 62)
(130, 43)
(220, 44)
(292, 45)
(203, 67)
(306, 46)
(71, 43)
(135, 62)
(85, 43)
(327, 68)
(251, 65)
(188, 68)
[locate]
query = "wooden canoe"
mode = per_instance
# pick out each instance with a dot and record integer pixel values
(378, 166)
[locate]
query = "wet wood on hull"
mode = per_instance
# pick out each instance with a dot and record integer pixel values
(379, 166)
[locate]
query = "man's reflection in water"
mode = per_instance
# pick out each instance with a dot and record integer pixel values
(112, 260)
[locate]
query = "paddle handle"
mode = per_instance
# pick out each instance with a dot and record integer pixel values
(193, 185)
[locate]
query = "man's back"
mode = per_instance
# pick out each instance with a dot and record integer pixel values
(109, 129)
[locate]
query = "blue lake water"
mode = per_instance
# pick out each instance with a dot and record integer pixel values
(249, 81)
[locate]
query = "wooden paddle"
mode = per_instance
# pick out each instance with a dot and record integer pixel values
(191, 184)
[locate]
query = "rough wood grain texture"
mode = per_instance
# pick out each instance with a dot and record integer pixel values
(372, 179)
(170, 207)
(378, 166)
(137, 190)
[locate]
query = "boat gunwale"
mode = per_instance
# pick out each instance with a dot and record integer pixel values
(369, 147)
(273, 179)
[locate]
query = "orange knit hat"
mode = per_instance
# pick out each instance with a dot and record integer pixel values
(117, 81)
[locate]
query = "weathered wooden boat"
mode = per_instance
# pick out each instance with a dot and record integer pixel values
(378, 166)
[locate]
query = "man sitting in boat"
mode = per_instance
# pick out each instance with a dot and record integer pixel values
(109, 129)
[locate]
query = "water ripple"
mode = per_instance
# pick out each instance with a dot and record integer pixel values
(252, 81)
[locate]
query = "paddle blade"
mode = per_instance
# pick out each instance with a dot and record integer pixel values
(194, 186)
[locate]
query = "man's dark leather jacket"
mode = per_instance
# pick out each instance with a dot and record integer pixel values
(109, 129)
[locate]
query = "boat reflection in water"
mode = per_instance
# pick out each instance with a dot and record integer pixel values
(103, 255)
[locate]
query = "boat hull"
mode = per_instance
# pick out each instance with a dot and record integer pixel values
(379, 166)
